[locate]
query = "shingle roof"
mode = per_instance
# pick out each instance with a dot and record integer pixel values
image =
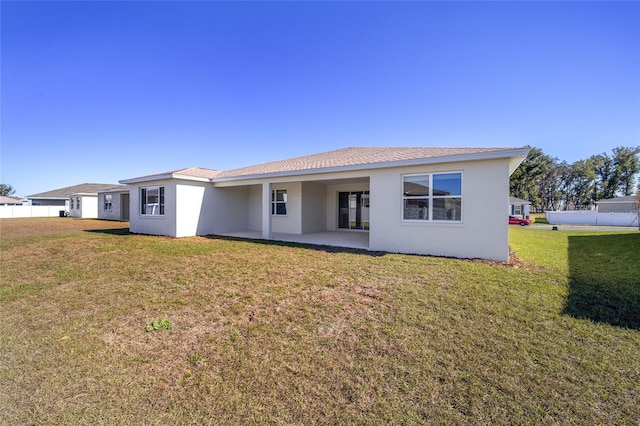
(330, 161)
(198, 172)
(83, 188)
(514, 200)
(10, 200)
(353, 156)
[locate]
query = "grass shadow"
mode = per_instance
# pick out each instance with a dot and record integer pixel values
(308, 246)
(604, 279)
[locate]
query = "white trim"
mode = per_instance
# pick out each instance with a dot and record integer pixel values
(161, 206)
(275, 202)
(266, 211)
(431, 198)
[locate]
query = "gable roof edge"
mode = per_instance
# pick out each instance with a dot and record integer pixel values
(164, 176)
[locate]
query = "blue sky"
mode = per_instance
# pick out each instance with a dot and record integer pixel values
(104, 91)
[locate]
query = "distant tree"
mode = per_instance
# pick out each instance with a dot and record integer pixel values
(524, 182)
(549, 188)
(6, 190)
(576, 183)
(565, 183)
(606, 177)
(627, 166)
(583, 179)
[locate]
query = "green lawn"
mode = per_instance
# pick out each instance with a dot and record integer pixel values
(285, 334)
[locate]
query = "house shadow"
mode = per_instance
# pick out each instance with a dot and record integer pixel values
(114, 231)
(308, 246)
(273, 243)
(604, 279)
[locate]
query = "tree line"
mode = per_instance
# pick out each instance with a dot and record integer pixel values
(550, 184)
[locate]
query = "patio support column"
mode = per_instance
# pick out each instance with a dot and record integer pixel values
(266, 210)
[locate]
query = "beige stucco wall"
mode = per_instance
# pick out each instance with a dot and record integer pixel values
(226, 211)
(116, 206)
(254, 208)
(88, 206)
(154, 225)
(193, 208)
(483, 232)
(190, 207)
(314, 196)
(291, 223)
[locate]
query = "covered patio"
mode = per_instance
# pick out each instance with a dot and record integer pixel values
(347, 239)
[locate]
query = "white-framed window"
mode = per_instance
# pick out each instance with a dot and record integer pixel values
(78, 203)
(432, 197)
(71, 204)
(279, 202)
(517, 210)
(152, 201)
(107, 201)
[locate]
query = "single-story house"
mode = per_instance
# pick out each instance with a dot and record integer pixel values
(10, 201)
(113, 203)
(62, 196)
(628, 204)
(432, 201)
(519, 207)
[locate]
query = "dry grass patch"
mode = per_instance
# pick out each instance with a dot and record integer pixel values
(38, 227)
(286, 334)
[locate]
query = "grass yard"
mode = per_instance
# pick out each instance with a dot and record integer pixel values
(286, 334)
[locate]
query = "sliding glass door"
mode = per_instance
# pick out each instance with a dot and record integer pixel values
(353, 210)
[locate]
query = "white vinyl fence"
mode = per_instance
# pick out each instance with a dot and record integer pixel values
(592, 217)
(30, 211)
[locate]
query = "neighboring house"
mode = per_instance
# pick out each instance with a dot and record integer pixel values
(519, 207)
(61, 197)
(628, 204)
(432, 201)
(113, 204)
(10, 201)
(85, 205)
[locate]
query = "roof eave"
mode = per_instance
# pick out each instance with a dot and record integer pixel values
(114, 190)
(46, 198)
(631, 201)
(520, 153)
(166, 176)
